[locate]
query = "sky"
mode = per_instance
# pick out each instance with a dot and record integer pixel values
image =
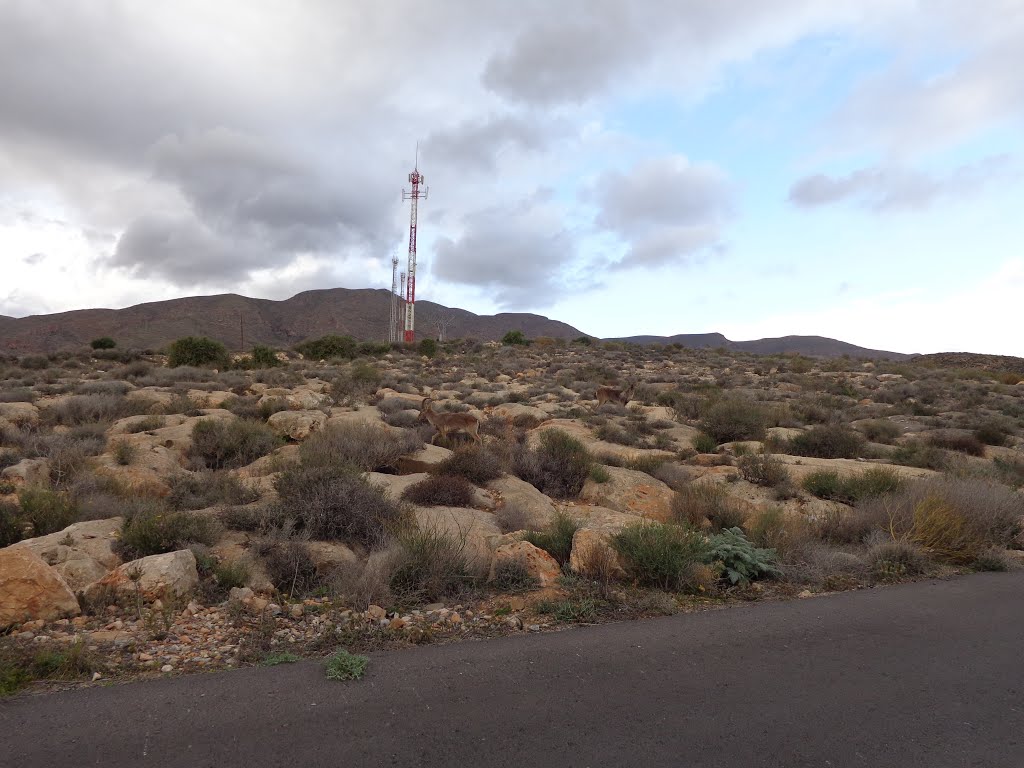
(851, 168)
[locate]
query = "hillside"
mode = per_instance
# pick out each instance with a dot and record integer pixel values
(998, 363)
(816, 346)
(362, 313)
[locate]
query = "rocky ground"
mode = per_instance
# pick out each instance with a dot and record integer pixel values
(159, 520)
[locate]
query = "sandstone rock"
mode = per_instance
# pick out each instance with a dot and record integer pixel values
(395, 485)
(20, 414)
(81, 553)
(411, 401)
(330, 555)
(423, 460)
(28, 472)
(159, 398)
(297, 425)
(304, 398)
(539, 563)
(31, 590)
(536, 509)
(158, 576)
(272, 463)
(630, 491)
(215, 399)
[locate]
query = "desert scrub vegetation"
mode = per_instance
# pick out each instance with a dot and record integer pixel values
(345, 666)
(739, 559)
(22, 664)
(662, 555)
(827, 441)
(850, 489)
(337, 503)
(197, 351)
(880, 431)
(952, 441)
(207, 489)
(558, 467)
(151, 529)
(734, 418)
(701, 504)
(557, 538)
(370, 447)
(763, 469)
(221, 444)
(432, 564)
(476, 463)
(440, 490)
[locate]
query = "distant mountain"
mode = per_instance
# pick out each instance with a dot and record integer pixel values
(813, 346)
(362, 313)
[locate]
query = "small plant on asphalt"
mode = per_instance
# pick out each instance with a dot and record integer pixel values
(346, 666)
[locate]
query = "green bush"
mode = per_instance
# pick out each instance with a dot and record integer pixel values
(735, 418)
(827, 441)
(829, 484)
(153, 531)
(346, 666)
(264, 357)
(705, 443)
(222, 444)
(514, 338)
(103, 342)
(739, 559)
(440, 490)
(659, 554)
(12, 527)
(556, 539)
(336, 502)
(513, 576)
(428, 348)
(473, 462)
(197, 351)
(46, 511)
(915, 453)
(327, 347)
(207, 489)
(992, 432)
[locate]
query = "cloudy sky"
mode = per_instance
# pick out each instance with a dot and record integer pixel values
(851, 168)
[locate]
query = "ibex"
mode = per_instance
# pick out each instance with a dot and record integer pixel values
(609, 394)
(449, 422)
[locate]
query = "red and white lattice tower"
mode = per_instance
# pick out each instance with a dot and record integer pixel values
(414, 196)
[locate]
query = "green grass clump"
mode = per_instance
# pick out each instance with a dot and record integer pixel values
(705, 443)
(556, 539)
(829, 484)
(346, 666)
(46, 511)
(660, 554)
(152, 530)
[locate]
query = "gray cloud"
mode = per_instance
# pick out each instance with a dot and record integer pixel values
(667, 209)
(476, 144)
(885, 189)
(519, 254)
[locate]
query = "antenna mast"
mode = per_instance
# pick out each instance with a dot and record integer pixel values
(393, 322)
(413, 196)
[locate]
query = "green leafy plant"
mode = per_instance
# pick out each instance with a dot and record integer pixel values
(514, 338)
(660, 554)
(264, 357)
(556, 539)
(104, 342)
(739, 559)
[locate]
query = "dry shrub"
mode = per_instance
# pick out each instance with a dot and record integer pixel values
(206, 489)
(941, 528)
(674, 475)
(220, 444)
(287, 563)
(827, 441)
(735, 418)
(559, 467)
(880, 431)
(151, 530)
(698, 503)
(331, 502)
(432, 564)
(772, 528)
(511, 517)
(893, 560)
(953, 441)
(763, 469)
(440, 490)
(369, 447)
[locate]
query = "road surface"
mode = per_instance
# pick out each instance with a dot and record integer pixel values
(928, 674)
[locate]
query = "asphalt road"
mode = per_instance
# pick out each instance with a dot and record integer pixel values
(929, 674)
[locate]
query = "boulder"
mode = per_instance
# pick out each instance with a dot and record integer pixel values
(330, 555)
(82, 553)
(157, 576)
(591, 548)
(30, 589)
(425, 459)
(513, 411)
(536, 509)
(215, 399)
(297, 425)
(19, 414)
(630, 491)
(538, 563)
(413, 402)
(159, 398)
(27, 472)
(270, 464)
